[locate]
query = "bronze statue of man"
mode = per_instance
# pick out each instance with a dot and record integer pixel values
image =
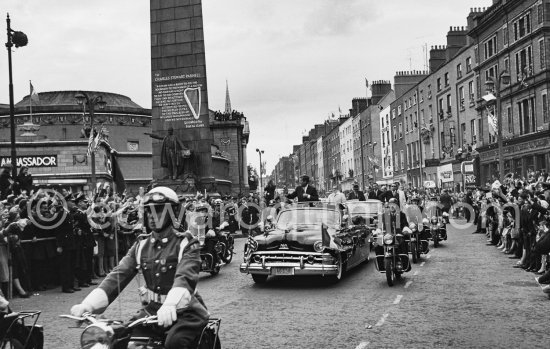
(172, 153)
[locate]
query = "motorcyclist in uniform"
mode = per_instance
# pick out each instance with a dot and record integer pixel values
(395, 223)
(203, 220)
(170, 264)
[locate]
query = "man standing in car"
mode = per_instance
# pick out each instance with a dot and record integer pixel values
(304, 192)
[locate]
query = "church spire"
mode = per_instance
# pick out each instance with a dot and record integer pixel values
(227, 99)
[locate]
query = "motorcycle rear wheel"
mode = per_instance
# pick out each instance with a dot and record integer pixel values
(390, 276)
(414, 253)
(228, 256)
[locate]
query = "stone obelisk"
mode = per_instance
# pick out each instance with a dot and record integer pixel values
(179, 94)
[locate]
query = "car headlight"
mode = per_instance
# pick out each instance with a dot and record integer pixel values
(318, 246)
(96, 336)
(388, 239)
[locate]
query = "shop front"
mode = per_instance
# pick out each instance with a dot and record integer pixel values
(521, 155)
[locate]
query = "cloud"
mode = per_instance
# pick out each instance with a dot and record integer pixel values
(337, 18)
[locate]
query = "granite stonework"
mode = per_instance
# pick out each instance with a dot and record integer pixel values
(180, 98)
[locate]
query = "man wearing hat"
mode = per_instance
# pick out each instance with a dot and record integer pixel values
(304, 192)
(5, 181)
(356, 194)
(85, 241)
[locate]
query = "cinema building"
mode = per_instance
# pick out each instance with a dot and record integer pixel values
(51, 141)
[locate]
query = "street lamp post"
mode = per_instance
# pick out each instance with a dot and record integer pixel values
(260, 152)
(504, 78)
(17, 39)
(82, 98)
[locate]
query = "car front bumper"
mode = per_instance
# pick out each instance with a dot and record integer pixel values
(290, 263)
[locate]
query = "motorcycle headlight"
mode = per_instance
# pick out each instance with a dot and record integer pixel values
(388, 239)
(96, 336)
(318, 246)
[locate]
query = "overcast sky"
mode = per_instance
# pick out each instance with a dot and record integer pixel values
(289, 63)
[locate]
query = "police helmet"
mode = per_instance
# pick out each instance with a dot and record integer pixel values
(160, 196)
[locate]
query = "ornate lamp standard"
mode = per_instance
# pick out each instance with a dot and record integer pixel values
(494, 94)
(260, 152)
(17, 39)
(83, 99)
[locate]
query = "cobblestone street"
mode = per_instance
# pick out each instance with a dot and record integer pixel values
(463, 294)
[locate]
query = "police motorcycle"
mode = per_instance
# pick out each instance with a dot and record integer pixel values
(212, 249)
(148, 329)
(438, 229)
(143, 333)
(226, 241)
(418, 243)
(390, 258)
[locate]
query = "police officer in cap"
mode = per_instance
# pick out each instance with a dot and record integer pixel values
(170, 264)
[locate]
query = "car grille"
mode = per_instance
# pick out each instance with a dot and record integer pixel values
(287, 257)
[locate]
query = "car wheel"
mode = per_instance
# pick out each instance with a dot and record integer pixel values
(341, 270)
(259, 278)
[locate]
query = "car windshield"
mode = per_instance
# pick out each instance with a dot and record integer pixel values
(308, 217)
(364, 209)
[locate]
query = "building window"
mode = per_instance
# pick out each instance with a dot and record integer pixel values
(459, 70)
(422, 121)
(461, 96)
(542, 52)
(522, 26)
(421, 96)
(429, 91)
(393, 113)
(409, 157)
(440, 108)
(463, 133)
(524, 63)
(510, 120)
(449, 103)
(540, 14)
(394, 133)
(399, 110)
(473, 131)
(468, 64)
(505, 35)
(527, 124)
(490, 47)
(544, 108)
(396, 161)
(400, 130)
(406, 124)
(446, 76)
(414, 99)
(438, 84)
(471, 95)
(402, 156)
(491, 73)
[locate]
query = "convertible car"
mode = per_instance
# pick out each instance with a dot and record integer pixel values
(305, 240)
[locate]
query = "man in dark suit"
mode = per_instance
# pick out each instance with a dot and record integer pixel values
(304, 192)
(356, 194)
(375, 192)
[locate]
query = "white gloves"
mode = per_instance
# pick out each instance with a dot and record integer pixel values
(167, 315)
(80, 309)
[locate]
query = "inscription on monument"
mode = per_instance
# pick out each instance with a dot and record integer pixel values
(179, 99)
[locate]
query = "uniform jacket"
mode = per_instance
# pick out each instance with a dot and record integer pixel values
(161, 270)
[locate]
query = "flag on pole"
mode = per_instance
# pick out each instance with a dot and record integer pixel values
(492, 121)
(91, 145)
(34, 94)
(116, 173)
